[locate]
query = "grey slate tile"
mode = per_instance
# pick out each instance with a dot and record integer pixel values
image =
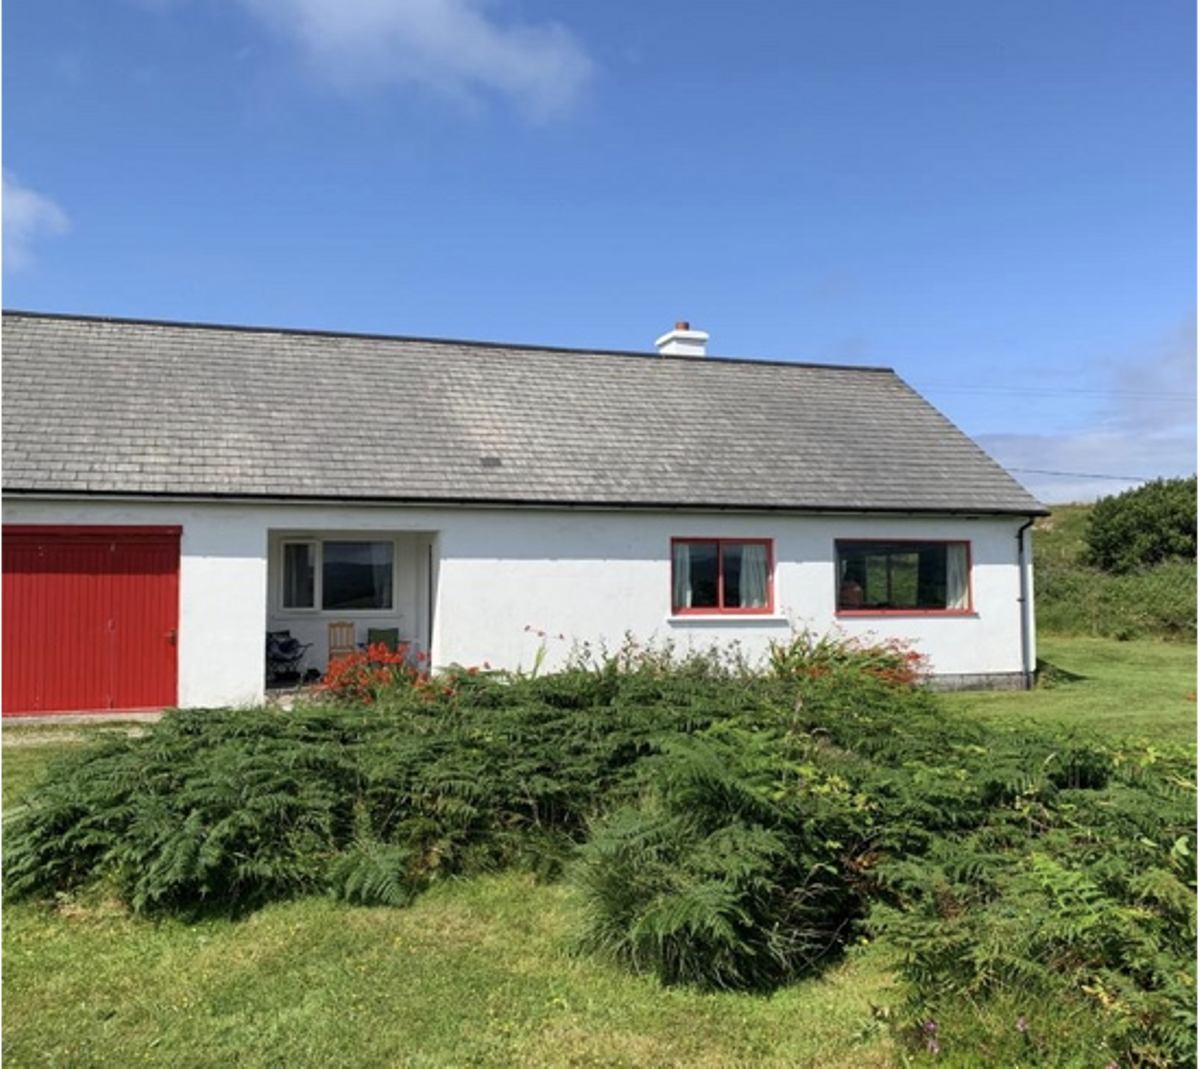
(160, 408)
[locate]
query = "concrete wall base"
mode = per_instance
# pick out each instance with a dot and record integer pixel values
(983, 681)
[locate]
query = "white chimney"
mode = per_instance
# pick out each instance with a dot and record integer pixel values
(683, 341)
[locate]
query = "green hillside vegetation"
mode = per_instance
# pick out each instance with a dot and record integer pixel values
(1087, 584)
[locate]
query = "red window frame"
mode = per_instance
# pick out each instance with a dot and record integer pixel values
(720, 609)
(877, 610)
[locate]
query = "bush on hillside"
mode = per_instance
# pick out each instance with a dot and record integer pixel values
(1144, 526)
(1159, 602)
(1076, 597)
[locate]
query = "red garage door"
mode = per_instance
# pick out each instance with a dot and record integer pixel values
(90, 618)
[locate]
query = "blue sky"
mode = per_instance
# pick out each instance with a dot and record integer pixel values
(998, 200)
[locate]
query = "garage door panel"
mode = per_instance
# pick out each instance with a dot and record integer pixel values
(143, 626)
(89, 618)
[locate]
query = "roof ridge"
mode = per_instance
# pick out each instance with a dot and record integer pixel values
(316, 332)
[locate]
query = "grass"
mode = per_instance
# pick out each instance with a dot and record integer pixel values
(24, 765)
(475, 974)
(1141, 688)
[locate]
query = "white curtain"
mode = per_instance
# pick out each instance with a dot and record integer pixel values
(681, 596)
(754, 576)
(956, 576)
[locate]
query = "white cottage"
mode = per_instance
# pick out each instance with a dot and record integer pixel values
(173, 492)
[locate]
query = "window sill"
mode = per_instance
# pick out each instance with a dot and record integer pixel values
(741, 619)
(313, 614)
(852, 614)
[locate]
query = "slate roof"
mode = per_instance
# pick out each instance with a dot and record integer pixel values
(110, 406)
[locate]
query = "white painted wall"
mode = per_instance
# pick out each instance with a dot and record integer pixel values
(501, 576)
(595, 576)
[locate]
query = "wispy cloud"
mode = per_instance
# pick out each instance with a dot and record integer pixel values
(1145, 429)
(456, 48)
(1155, 387)
(28, 216)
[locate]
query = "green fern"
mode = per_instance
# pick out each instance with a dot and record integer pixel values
(374, 874)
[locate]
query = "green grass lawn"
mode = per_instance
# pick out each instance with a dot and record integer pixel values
(1142, 688)
(474, 974)
(478, 972)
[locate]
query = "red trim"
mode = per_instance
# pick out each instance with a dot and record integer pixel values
(970, 610)
(719, 609)
(907, 612)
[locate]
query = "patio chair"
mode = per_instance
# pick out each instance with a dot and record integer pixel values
(285, 655)
(341, 640)
(389, 636)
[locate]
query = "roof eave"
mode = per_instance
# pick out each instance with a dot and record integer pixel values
(663, 505)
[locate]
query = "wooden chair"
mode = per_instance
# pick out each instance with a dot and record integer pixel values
(341, 640)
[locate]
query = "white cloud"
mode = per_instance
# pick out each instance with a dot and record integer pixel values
(1145, 430)
(28, 216)
(456, 48)
(1061, 468)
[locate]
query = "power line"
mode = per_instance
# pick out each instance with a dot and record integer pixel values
(1085, 475)
(1050, 391)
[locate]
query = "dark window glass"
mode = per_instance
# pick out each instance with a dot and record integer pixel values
(902, 575)
(356, 575)
(299, 575)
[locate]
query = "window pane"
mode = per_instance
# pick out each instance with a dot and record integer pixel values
(299, 575)
(931, 581)
(356, 575)
(753, 580)
(724, 576)
(681, 576)
(902, 575)
(702, 574)
(957, 591)
(731, 567)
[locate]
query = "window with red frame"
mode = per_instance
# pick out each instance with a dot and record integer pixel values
(903, 576)
(721, 575)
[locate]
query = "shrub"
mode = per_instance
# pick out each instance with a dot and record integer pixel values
(1144, 526)
(1077, 892)
(226, 809)
(808, 654)
(1157, 602)
(726, 873)
(363, 675)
